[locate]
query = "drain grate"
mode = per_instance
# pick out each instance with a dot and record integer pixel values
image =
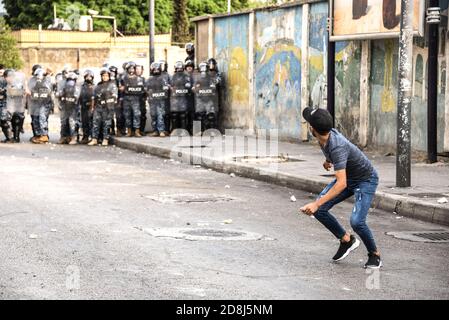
(433, 236)
(190, 198)
(205, 234)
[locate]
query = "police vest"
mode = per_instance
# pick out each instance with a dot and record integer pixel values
(134, 86)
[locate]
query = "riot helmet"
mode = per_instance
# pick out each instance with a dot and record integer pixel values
(164, 65)
(212, 63)
(190, 48)
(189, 64)
(105, 71)
(203, 67)
(89, 76)
(156, 68)
(179, 66)
(39, 73)
(131, 68)
(34, 68)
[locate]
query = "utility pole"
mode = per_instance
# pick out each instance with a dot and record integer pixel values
(432, 82)
(330, 69)
(403, 154)
(229, 6)
(152, 32)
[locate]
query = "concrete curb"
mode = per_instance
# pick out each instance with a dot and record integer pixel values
(401, 205)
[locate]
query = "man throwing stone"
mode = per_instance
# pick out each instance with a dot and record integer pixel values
(355, 176)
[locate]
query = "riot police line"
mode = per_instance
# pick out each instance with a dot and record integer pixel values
(91, 110)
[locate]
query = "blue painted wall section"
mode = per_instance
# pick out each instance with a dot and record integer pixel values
(384, 87)
(278, 71)
(231, 52)
(276, 85)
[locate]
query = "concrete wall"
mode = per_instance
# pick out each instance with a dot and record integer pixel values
(285, 49)
(384, 96)
(277, 74)
(231, 52)
(56, 49)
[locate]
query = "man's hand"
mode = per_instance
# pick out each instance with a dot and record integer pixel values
(327, 165)
(310, 209)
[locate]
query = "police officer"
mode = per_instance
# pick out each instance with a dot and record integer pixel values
(87, 105)
(143, 102)
(215, 76)
(5, 117)
(118, 124)
(157, 90)
(190, 70)
(133, 87)
(106, 94)
(190, 50)
(33, 70)
(180, 85)
(206, 98)
(69, 109)
(166, 78)
(15, 99)
(40, 104)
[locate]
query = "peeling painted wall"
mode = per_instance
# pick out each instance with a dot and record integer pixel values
(384, 87)
(278, 71)
(347, 73)
(261, 66)
(317, 54)
(347, 88)
(231, 52)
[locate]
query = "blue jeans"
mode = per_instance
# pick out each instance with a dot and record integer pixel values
(364, 192)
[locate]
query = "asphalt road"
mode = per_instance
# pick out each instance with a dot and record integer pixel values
(74, 224)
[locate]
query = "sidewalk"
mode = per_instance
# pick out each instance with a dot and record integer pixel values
(300, 166)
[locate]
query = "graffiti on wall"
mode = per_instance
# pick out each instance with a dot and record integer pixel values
(384, 88)
(278, 71)
(347, 69)
(231, 51)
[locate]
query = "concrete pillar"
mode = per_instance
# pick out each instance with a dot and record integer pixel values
(210, 42)
(365, 71)
(446, 104)
(304, 67)
(251, 91)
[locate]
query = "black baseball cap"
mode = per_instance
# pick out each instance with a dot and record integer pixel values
(320, 119)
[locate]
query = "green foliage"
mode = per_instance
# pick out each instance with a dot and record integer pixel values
(9, 54)
(132, 15)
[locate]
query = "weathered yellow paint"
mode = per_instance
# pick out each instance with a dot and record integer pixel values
(387, 99)
(282, 47)
(238, 76)
(282, 74)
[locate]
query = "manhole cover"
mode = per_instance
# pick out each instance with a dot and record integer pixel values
(213, 233)
(206, 234)
(434, 236)
(267, 159)
(189, 198)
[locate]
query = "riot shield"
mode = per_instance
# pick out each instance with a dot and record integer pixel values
(180, 89)
(40, 94)
(16, 92)
(69, 98)
(134, 86)
(106, 95)
(157, 88)
(206, 95)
